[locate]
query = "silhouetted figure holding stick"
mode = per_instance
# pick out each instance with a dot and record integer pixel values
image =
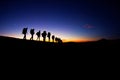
(24, 32)
(44, 35)
(53, 38)
(38, 35)
(32, 33)
(49, 34)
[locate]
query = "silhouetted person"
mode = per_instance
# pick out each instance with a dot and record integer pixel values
(53, 38)
(58, 40)
(24, 32)
(44, 35)
(32, 33)
(48, 35)
(38, 35)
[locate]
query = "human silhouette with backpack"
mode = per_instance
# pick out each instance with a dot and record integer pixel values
(38, 35)
(48, 35)
(44, 34)
(24, 32)
(58, 40)
(53, 38)
(32, 33)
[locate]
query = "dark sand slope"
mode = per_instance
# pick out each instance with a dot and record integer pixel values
(87, 50)
(8, 42)
(105, 51)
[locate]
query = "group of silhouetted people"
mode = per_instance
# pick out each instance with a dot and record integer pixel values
(44, 35)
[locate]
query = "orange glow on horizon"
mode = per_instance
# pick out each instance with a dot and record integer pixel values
(81, 39)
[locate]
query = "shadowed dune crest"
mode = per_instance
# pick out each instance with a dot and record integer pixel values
(8, 42)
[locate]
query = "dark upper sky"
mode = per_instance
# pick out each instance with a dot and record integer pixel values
(68, 19)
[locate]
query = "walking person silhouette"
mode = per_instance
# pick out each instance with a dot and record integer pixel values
(58, 40)
(32, 33)
(44, 36)
(49, 34)
(24, 32)
(38, 35)
(53, 38)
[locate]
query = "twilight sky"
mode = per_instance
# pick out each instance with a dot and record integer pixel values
(71, 20)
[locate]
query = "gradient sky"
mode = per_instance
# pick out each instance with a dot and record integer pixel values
(71, 20)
